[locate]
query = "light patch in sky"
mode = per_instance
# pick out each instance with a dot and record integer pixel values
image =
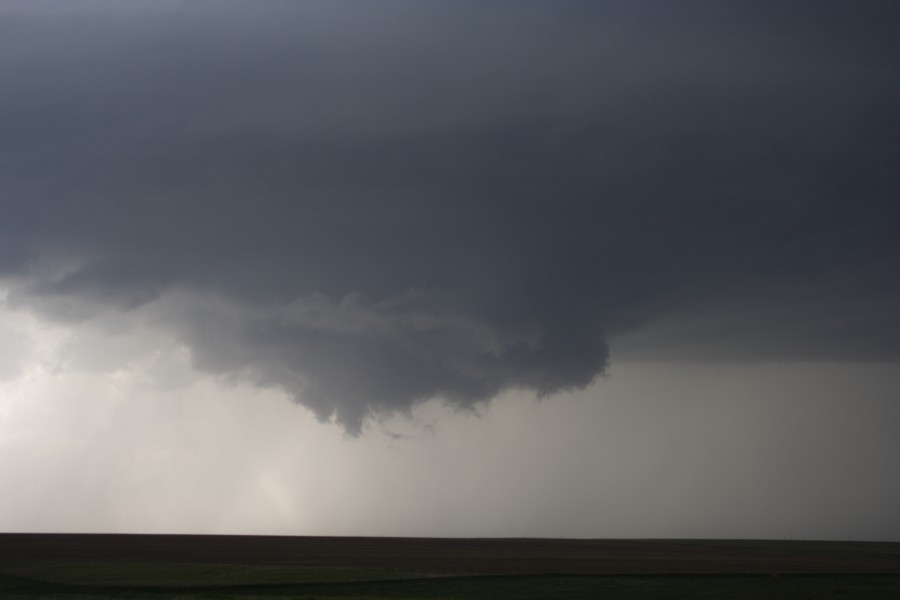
(653, 450)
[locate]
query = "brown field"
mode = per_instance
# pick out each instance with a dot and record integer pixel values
(467, 556)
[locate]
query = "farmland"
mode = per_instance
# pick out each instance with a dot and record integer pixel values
(198, 567)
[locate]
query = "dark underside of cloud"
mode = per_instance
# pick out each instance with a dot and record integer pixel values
(374, 203)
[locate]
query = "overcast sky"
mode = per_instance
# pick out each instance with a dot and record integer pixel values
(568, 268)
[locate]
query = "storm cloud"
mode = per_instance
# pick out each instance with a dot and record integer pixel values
(372, 204)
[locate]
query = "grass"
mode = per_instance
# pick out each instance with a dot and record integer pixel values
(168, 575)
(95, 581)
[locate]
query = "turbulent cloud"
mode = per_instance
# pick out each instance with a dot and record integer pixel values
(371, 204)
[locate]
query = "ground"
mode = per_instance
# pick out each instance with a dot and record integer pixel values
(199, 567)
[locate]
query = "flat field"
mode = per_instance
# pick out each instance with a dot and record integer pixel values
(201, 567)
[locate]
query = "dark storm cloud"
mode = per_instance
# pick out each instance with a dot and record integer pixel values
(374, 203)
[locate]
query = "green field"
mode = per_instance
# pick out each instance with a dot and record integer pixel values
(74, 581)
(90, 566)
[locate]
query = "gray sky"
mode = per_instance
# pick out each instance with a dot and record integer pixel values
(450, 268)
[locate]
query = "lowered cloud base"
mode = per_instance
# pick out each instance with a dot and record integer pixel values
(343, 201)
